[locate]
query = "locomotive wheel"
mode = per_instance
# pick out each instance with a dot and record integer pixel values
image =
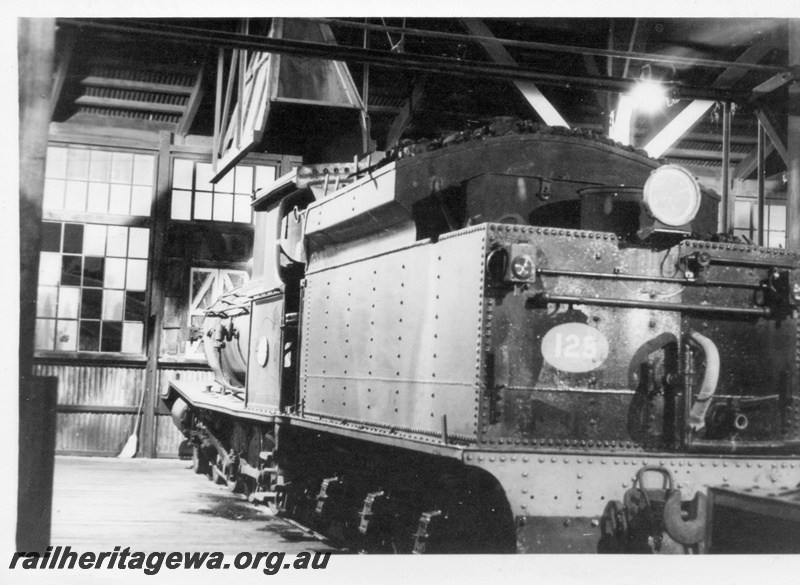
(218, 472)
(200, 463)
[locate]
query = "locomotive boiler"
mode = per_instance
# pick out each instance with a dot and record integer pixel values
(516, 338)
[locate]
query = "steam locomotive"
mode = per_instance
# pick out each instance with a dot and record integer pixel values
(517, 338)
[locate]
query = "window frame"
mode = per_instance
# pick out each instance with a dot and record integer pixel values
(85, 218)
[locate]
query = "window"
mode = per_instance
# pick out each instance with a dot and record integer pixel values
(194, 197)
(93, 274)
(92, 282)
(206, 286)
(98, 181)
(745, 223)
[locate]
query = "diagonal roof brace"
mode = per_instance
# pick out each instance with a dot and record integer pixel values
(673, 131)
(527, 88)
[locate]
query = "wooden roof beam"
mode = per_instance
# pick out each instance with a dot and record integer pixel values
(774, 135)
(500, 54)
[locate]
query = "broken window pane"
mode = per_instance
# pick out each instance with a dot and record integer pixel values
(134, 306)
(71, 269)
(91, 303)
(51, 237)
(90, 336)
(93, 271)
(112, 336)
(73, 238)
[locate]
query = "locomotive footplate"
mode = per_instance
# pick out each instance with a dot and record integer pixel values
(212, 396)
(568, 502)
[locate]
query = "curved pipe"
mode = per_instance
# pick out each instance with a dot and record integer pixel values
(697, 417)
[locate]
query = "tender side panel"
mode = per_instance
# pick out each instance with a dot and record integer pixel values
(392, 341)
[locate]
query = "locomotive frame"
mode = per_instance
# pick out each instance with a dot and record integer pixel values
(387, 376)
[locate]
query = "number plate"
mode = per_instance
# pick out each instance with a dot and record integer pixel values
(574, 347)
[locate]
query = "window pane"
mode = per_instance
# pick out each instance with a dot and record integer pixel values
(264, 176)
(244, 180)
(140, 200)
(742, 215)
(115, 273)
(241, 208)
(120, 199)
(776, 239)
(182, 171)
(225, 184)
(112, 305)
(75, 196)
(93, 271)
(100, 167)
(121, 167)
(132, 337)
(67, 335)
(98, 198)
(232, 279)
(205, 173)
(46, 301)
(71, 270)
(54, 194)
(134, 306)
(117, 241)
(139, 242)
(202, 205)
(68, 299)
(78, 164)
(73, 238)
(143, 169)
(49, 268)
(112, 336)
(181, 205)
(45, 333)
(94, 240)
(137, 275)
(223, 207)
(777, 217)
(90, 336)
(51, 237)
(92, 303)
(56, 163)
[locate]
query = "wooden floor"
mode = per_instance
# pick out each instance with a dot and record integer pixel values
(154, 505)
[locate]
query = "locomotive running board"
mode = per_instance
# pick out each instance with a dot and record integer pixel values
(357, 430)
(211, 397)
(207, 396)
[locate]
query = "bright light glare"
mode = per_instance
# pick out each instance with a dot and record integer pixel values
(649, 96)
(621, 124)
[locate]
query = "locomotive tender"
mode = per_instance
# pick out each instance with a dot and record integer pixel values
(518, 338)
